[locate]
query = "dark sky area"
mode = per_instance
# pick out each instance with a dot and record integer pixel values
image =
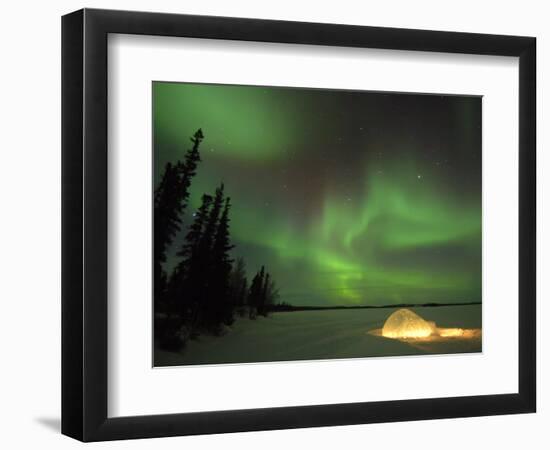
(347, 198)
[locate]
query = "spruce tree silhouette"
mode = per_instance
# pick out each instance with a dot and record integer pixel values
(262, 294)
(255, 294)
(170, 201)
(270, 294)
(166, 225)
(182, 289)
(191, 283)
(262, 309)
(221, 269)
(205, 289)
(238, 285)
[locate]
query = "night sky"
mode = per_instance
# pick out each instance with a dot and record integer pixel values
(347, 197)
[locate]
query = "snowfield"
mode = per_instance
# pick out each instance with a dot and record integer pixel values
(328, 334)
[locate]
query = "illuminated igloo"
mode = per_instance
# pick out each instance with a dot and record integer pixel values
(405, 324)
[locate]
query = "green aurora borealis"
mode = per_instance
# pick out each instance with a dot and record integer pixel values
(348, 198)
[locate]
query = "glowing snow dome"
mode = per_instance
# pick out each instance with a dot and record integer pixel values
(405, 324)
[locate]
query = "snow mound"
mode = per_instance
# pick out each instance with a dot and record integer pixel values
(405, 324)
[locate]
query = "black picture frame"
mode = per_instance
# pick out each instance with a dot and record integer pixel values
(84, 224)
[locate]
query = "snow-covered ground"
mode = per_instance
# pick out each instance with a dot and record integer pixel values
(328, 334)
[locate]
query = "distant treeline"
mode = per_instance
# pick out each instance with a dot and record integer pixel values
(207, 287)
(284, 307)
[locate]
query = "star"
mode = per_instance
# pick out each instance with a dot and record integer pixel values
(419, 176)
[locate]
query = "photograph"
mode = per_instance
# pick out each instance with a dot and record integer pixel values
(311, 224)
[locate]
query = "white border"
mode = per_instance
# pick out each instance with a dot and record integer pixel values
(135, 388)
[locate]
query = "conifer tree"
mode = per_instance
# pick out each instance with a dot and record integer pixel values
(255, 294)
(270, 294)
(182, 289)
(221, 269)
(204, 275)
(263, 296)
(166, 224)
(170, 201)
(208, 236)
(238, 283)
(194, 236)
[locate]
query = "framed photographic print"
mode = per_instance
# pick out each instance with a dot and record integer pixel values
(274, 224)
(385, 229)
